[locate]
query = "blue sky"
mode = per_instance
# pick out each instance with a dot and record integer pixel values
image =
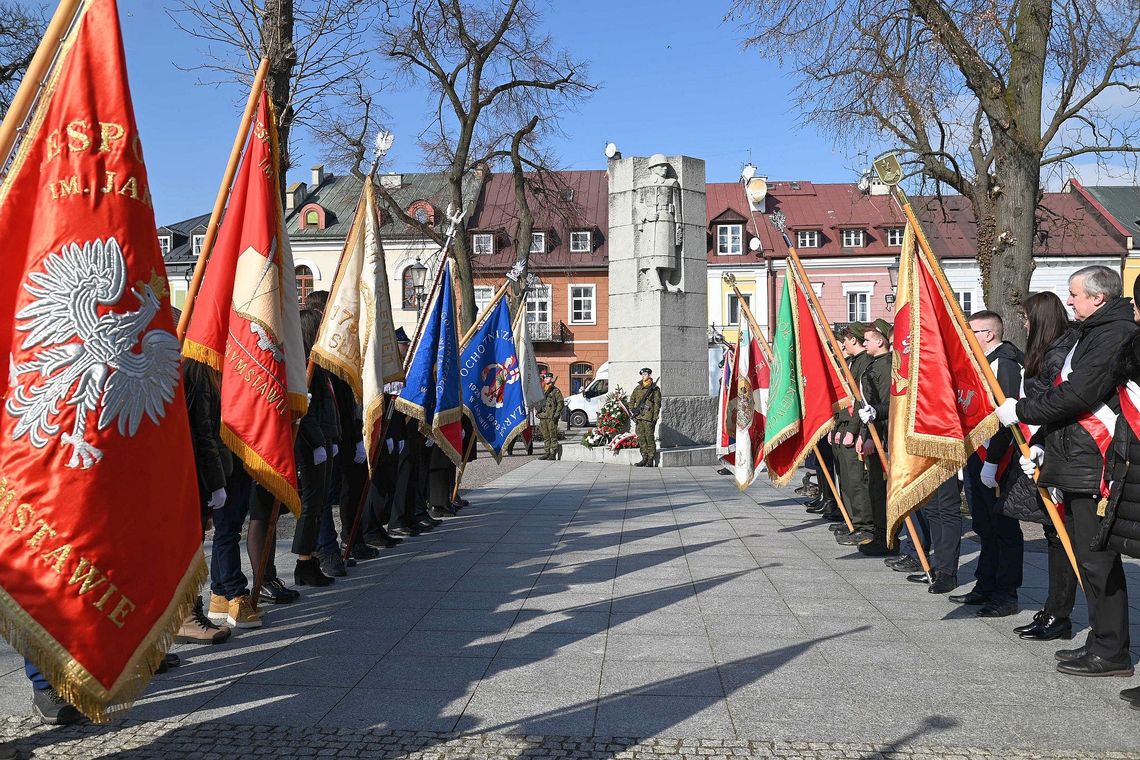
(674, 80)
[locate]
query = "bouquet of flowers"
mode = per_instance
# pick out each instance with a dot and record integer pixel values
(623, 441)
(612, 419)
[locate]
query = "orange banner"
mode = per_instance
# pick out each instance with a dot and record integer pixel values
(100, 523)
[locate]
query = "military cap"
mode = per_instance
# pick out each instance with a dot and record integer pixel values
(856, 329)
(401, 336)
(645, 371)
(883, 326)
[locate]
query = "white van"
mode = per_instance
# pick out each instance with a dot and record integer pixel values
(582, 408)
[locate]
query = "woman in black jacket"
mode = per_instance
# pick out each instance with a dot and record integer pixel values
(1051, 337)
(1120, 528)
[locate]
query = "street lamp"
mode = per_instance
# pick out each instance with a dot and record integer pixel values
(893, 274)
(419, 275)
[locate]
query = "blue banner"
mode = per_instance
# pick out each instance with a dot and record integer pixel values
(492, 381)
(431, 390)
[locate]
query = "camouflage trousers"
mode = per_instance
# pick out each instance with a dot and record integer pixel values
(645, 440)
(549, 430)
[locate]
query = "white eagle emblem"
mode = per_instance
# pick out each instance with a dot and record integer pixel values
(87, 358)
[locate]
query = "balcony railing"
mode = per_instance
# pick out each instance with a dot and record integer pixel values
(548, 332)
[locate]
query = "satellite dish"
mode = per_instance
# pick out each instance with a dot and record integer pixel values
(611, 150)
(754, 244)
(757, 189)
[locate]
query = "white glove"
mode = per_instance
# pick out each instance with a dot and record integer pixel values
(217, 499)
(320, 454)
(1007, 412)
(989, 475)
(335, 450)
(391, 445)
(359, 456)
(1036, 457)
(867, 413)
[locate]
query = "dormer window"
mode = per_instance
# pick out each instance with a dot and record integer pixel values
(807, 238)
(538, 242)
(196, 246)
(729, 239)
(854, 238)
(581, 241)
(895, 237)
(313, 217)
(423, 212)
(164, 245)
(483, 243)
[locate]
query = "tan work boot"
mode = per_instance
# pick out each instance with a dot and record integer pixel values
(242, 614)
(219, 609)
(198, 629)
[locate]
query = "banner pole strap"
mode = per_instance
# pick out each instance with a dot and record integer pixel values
(223, 195)
(935, 266)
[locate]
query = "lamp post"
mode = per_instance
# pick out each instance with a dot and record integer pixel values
(893, 274)
(419, 275)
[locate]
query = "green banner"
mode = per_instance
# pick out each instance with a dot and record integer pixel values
(784, 411)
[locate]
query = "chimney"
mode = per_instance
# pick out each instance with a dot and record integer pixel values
(391, 181)
(318, 175)
(294, 195)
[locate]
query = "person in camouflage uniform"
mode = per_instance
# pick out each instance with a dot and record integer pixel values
(645, 407)
(548, 415)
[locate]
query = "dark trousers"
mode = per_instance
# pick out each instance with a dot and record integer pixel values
(353, 479)
(877, 490)
(1103, 576)
(326, 525)
(226, 576)
(405, 492)
(825, 460)
(999, 568)
(853, 487)
(944, 522)
(1062, 579)
(313, 480)
(441, 478)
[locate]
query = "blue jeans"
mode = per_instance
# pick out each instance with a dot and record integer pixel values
(226, 577)
(39, 683)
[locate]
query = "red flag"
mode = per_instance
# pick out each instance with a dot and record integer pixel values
(99, 513)
(941, 408)
(246, 322)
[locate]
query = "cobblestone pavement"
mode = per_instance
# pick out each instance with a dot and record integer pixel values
(591, 611)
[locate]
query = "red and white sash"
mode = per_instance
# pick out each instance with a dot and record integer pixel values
(1100, 423)
(1130, 405)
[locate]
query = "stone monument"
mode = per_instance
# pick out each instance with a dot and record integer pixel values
(658, 306)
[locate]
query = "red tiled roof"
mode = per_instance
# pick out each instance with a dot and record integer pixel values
(588, 210)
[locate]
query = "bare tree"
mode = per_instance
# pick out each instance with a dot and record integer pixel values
(499, 85)
(317, 52)
(21, 27)
(981, 96)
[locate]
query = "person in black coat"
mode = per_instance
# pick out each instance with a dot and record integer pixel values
(999, 569)
(1073, 461)
(1051, 337)
(1119, 531)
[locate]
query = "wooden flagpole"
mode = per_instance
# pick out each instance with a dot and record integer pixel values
(856, 392)
(36, 76)
(768, 355)
(987, 371)
(223, 196)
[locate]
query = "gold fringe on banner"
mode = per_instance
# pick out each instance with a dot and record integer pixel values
(262, 471)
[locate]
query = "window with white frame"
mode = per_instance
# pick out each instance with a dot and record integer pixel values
(807, 239)
(895, 237)
(729, 239)
(581, 241)
(483, 295)
(965, 300)
(483, 243)
(538, 242)
(164, 245)
(818, 288)
(197, 242)
(583, 299)
(858, 306)
(538, 305)
(735, 313)
(854, 238)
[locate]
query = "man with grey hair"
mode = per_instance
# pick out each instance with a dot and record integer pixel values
(1083, 406)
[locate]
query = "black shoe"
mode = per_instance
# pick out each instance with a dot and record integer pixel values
(834, 516)
(53, 709)
(918, 578)
(816, 509)
(1031, 626)
(426, 525)
(858, 538)
(364, 551)
(943, 584)
(878, 548)
(971, 597)
(907, 564)
(285, 595)
(814, 502)
(308, 573)
(642, 463)
(404, 532)
(1068, 655)
(332, 565)
(1092, 666)
(998, 609)
(439, 513)
(426, 519)
(1131, 695)
(1048, 628)
(169, 661)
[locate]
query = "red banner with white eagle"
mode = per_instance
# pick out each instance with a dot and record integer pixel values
(246, 323)
(100, 526)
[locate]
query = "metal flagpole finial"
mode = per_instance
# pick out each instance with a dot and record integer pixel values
(384, 140)
(454, 218)
(516, 272)
(729, 278)
(888, 168)
(778, 220)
